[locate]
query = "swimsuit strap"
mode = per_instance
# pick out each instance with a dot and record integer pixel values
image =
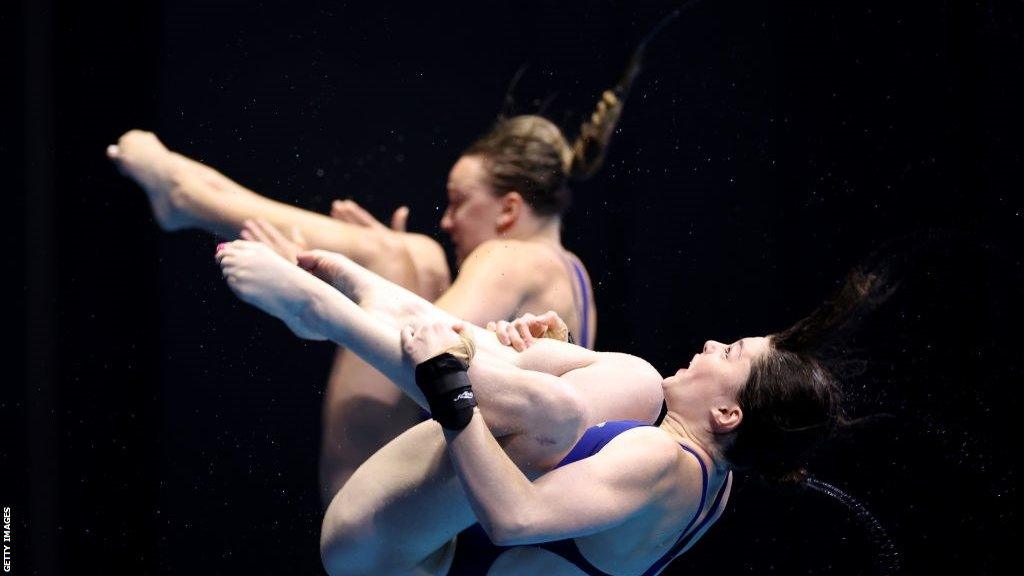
(687, 536)
(584, 286)
(580, 293)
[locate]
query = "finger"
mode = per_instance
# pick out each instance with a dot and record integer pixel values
(246, 235)
(217, 254)
(524, 334)
(362, 216)
(501, 331)
(256, 231)
(491, 327)
(458, 327)
(340, 211)
(336, 210)
(308, 260)
(407, 335)
(399, 219)
(515, 338)
(554, 320)
(273, 233)
(548, 319)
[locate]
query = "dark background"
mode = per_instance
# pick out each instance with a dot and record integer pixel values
(152, 424)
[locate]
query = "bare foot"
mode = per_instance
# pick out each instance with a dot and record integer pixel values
(259, 276)
(337, 270)
(374, 294)
(143, 158)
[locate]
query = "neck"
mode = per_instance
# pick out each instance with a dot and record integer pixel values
(680, 429)
(546, 230)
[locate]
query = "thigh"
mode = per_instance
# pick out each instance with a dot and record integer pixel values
(362, 412)
(612, 386)
(403, 505)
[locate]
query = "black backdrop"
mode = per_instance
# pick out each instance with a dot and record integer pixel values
(154, 425)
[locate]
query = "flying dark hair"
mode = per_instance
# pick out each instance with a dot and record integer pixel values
(792, 401)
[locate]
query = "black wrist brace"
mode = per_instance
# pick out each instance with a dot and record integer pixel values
(444, 382)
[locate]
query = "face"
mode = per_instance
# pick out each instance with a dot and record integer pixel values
(473, 212)
(713, 378)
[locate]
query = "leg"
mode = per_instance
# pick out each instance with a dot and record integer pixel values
(405, 504)
(398, 510)
(362, 412)
(313, 309)
(184, 193)
(362, 409)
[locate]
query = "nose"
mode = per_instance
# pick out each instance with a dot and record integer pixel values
(711, 346)
(446, 220)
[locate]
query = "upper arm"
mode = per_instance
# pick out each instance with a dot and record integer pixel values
(594, 494)
(492, 283)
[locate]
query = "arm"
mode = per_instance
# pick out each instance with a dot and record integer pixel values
(632, 473)
(493, 282)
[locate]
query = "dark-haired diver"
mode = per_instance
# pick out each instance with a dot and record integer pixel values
(547, 475)
(506, 194)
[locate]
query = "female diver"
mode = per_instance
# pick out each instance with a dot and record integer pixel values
(506, 195)
(547, 475)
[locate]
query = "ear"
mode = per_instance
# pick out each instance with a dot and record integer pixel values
(512, 207)
(725, 418)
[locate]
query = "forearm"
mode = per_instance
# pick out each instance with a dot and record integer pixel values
(500, 494)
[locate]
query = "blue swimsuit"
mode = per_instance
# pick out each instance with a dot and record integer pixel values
(474, 551)
(580, 297)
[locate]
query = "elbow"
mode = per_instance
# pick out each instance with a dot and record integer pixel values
(511, 531)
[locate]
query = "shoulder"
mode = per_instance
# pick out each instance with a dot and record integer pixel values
(508, 248)
(529, 260)
(651, 450)
(645, 454)
(653, 459)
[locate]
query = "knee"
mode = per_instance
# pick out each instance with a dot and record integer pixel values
(338, 561)
(573, 417)
(562, 416)
(391, 260)
(346, 545)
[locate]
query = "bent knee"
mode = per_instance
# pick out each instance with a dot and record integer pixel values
(368, 557)
(346, 548)
(560, 417)
(434, 276)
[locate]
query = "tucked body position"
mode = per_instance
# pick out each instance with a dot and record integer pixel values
(557, 461)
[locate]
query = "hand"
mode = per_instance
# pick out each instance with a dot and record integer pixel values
(523, 331)
(349, 211)
(426, 341)
(262, 231)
